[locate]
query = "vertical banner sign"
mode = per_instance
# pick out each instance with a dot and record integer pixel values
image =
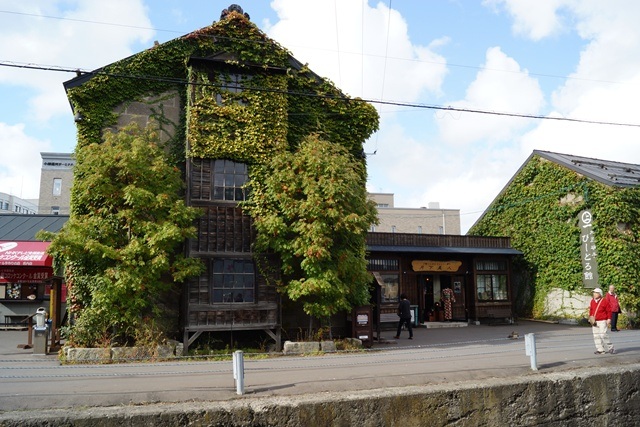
(588, 251)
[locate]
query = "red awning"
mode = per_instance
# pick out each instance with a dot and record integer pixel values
(25, 254)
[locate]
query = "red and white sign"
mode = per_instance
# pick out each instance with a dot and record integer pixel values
(25, 274)
(25, 254)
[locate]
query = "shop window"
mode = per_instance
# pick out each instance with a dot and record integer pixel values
(491, 265)
(378, 264)
(390, 284)
(386, 273)
(19, 291)
(233, 281)
(492, 287)
(491, 280)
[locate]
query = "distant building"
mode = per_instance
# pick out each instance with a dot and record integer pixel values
(16, 205)
(424, 220)
(56, 178)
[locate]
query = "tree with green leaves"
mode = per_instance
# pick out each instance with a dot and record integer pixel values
(121, 245)
(310, 207)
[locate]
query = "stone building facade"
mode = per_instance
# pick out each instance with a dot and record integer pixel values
(56, 179)
(424, 220)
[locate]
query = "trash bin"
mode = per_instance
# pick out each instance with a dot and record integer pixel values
(41, 332)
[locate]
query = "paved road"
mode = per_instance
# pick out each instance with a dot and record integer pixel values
(435, 356)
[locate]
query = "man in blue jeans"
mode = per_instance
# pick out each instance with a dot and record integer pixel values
(404, 311)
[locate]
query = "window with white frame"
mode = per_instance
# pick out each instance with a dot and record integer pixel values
(57, 186)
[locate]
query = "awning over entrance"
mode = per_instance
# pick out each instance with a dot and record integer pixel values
(25, 254)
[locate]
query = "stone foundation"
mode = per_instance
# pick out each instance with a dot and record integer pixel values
(586, 397)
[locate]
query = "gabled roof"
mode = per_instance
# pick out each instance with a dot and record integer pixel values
(219, 57)
(614, 174)
(25, 227)
(607, 172)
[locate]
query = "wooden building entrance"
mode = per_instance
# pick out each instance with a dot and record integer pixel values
(432, 304)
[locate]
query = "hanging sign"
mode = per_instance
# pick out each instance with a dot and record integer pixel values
(588, 251)
(435, 266)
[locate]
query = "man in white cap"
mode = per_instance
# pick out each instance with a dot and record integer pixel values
(600, 310)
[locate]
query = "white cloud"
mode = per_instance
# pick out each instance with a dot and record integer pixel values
(605, 86)
(373, 44)
(77, 40)
(533, 19)
(500, 86)
(19, 168)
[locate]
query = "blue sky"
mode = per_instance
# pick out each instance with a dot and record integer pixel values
(560, 58)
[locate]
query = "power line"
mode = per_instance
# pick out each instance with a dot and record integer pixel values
(179, 81)
(87, 21)
(385, 56)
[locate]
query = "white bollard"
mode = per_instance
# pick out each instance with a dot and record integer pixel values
(238, 371)
(530, 349)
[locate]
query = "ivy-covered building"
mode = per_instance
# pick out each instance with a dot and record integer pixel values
(539, 210)
(224, 98)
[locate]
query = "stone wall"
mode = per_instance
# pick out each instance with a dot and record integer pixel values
(163, 111)
(587, 397)
(566, 304)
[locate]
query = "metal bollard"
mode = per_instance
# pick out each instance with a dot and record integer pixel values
(530, 349)
(238, 371)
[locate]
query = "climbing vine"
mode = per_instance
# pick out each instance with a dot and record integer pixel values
(539, 211)
(242, 97)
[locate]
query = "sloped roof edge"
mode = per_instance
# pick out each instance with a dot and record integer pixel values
(82, 78)
(607, 172)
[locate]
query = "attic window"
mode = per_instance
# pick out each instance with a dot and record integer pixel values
(232, 84)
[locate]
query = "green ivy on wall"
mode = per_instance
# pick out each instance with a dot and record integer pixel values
(288, 105)
(539, 211)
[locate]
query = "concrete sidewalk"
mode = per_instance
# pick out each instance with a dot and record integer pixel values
(432, 333)
(435, 357)
(425, 335)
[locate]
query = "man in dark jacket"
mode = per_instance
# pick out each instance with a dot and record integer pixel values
(614, 306)
(404, 312)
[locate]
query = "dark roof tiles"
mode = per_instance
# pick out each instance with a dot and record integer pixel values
(615, 174)
(25, 227)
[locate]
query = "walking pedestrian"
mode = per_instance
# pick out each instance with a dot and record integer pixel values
(614, 305)
(404, 312)
(600, 318)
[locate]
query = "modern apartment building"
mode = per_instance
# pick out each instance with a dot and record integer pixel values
(15, 205)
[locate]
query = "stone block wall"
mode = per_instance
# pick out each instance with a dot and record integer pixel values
(586, 397)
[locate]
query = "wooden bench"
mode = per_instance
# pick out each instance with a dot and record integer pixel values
(389, 318)
(499, 314)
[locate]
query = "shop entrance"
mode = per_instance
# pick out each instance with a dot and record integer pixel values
(433, 285)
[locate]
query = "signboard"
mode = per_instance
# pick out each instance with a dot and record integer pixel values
(588, 251)
(32, 254)
(435, 266)
(24, 274)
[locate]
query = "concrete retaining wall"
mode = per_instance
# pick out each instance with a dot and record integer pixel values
(593, 397)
